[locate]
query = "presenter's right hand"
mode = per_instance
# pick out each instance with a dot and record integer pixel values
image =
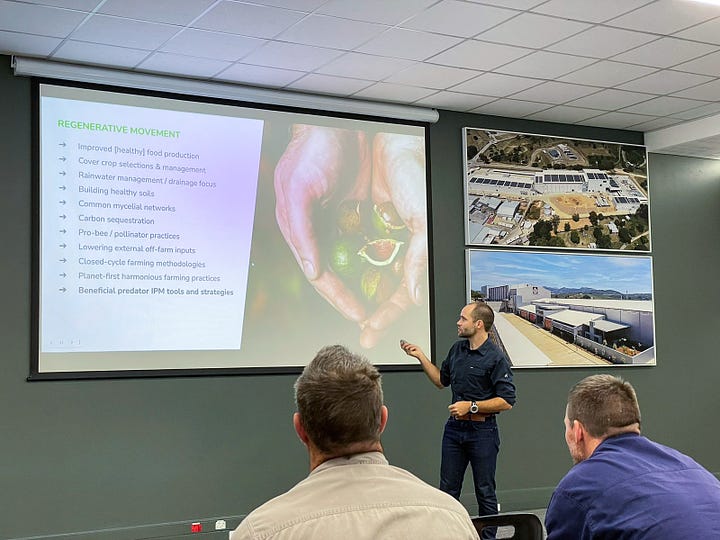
(312, 171)
(411, 349)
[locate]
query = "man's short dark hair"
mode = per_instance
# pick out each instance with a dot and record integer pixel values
(339, 397)
(604, 404)
(482, 312)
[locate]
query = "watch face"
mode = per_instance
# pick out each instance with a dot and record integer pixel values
(473, 407)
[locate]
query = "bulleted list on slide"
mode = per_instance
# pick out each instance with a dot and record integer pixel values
(147, 218)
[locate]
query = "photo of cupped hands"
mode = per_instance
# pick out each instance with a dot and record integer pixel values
(352, 209)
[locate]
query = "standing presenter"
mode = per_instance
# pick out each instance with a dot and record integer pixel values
(481, 381)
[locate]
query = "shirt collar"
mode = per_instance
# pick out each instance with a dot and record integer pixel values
(364, 458)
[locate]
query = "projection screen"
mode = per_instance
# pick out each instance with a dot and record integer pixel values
(178, 234)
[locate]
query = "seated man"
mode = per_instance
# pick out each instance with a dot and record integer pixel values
(352, 492)
(624, 485)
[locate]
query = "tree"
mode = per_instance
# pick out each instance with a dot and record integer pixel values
(624, 235)
(575, 237)
(597, 233)
(604, 241)
(555, 223)
(567, 227)
(576, 217)
(593, 217)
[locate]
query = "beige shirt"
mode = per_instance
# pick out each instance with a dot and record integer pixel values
(359, 497)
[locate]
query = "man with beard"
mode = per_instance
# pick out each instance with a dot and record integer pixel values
(481, 381)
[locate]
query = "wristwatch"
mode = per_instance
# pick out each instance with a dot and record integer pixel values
(474, 407)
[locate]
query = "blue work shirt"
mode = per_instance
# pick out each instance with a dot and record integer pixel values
(635, 489)
(477, 374)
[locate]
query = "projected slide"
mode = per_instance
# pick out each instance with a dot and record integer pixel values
(187, 235)
(139, 207)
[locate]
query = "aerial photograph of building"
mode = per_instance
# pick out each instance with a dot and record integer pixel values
(562, 310)
(532, 190)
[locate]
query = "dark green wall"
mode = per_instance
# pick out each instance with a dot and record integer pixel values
(136, 458)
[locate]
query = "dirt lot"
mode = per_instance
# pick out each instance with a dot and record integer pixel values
(574, 202)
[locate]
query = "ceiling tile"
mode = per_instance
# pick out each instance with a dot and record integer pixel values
(331, 32)
(609, 100)
(545, 65)
(167, 11)
(707, 65)
(514, 4)
(555, 92)
(380, 11)
(665, 52)
(94, 53)
(82, 5)
(364, 66)
(11, 42)
(327, 84)
(479, 55)
(709, 32)
(523, 30)
(495, 84)
(458, 18)
(601, 42)
(431, 76)
(606, 73)
(206, 44)
(248, 19)
(564, 114)
(259, 75)
(408, 44)
(298, 5)
(454, 101)
(699, 112)
(588, 11)
(616, 120)
(187, 65)
(290, 56)
(663, 106)
(110, 30)
(393, 92)
(510, 107)
(41, 20)
(665, 16)
(658, 123)
(665, 82)
(708, 91)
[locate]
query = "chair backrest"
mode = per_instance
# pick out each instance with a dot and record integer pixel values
(526, 526)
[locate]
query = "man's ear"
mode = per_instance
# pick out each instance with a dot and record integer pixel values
(579, 432)
(299, 429)
(383, 418)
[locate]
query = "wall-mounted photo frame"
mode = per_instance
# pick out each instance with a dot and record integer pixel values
(525, 190)
(566, 310)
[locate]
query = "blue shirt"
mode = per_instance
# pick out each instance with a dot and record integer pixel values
(633, 488)
(477, 374)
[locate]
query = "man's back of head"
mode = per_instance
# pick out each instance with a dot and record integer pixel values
(340, 400)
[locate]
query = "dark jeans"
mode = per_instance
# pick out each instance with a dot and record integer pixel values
(476, 443)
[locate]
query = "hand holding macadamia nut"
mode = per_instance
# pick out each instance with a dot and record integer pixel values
(353, 213)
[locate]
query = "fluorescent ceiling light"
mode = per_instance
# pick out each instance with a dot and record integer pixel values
(194, 87)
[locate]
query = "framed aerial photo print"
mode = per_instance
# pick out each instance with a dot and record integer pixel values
(566, 310)
(526, 190)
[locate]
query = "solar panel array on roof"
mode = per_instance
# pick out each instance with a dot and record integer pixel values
(564, 178)
(501, 183)
(627, 200)
(597, 176)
